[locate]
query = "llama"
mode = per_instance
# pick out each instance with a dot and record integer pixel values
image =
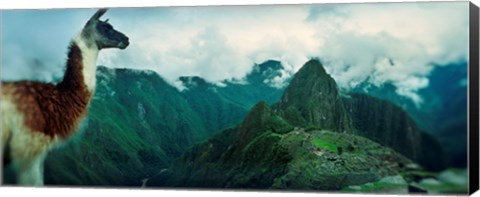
(37, 116)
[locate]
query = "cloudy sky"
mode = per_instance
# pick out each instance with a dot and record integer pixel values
(398, 43)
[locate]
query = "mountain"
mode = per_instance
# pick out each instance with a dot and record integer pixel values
(291, 145)
(256, 85)
(312, 100)
(265, 73)
(450, 119)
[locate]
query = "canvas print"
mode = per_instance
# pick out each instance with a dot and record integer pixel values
(349, 98)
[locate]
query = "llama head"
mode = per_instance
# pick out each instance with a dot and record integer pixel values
(101, 34)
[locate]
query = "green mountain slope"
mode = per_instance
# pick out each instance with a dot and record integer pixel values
(136, 124)
(215, 111)
(390, 125)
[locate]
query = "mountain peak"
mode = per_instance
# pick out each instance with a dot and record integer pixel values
(264, 72)
(253, 124)
(269, 65)
(193, 81)
(312, 100)
(314, 66)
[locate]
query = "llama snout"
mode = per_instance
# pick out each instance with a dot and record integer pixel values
(124, 43)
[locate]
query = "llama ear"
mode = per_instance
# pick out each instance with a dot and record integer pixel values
(98, 14)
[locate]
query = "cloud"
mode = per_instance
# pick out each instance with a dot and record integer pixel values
(398, 43)
(280, 80)
(395, 43)
(215, 43)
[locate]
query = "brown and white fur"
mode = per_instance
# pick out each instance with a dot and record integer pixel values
(36, 116)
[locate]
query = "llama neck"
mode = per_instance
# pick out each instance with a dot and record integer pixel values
(81, 65)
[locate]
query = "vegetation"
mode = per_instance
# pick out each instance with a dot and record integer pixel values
(325, 145)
